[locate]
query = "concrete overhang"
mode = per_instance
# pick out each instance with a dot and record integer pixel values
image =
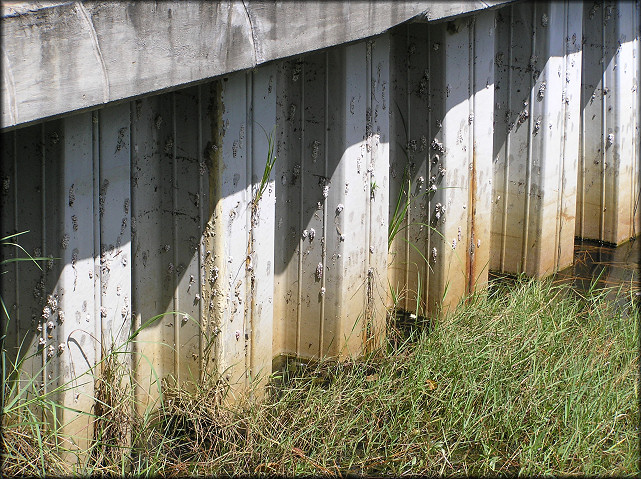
(59, 57)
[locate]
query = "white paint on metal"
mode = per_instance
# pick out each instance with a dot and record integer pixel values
(115, 223)
(261, 274)
(609, 179)
(75, 286)
(536, 137)
(442, 98)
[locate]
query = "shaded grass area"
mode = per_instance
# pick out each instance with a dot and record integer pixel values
(527, 378)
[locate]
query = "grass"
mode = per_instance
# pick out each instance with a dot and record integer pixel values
(526, 378)
(269, 165)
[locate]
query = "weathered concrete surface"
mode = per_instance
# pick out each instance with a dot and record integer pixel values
(59, 57)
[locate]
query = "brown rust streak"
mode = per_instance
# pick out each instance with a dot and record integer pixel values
(471, 256)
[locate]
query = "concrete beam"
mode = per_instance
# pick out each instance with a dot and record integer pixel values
(59, 57)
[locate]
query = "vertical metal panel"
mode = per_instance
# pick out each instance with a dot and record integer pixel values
(442, 95)
(288, 228)
(231, 225)
(608, 200)
(186, 192)
(168, 177)
(153, 268)
(331, 195)
(536, 142)
(261, 270)
(76, 323)
(482, 107)
(55, 240)
(10, 326)
(243, 243)
(115, 222)
(377, 146)
(30, 295)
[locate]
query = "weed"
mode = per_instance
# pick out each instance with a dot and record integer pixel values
(527, 378)
(373, 187)
(271, 160)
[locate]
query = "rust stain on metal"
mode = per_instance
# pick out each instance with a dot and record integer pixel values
(471, 256)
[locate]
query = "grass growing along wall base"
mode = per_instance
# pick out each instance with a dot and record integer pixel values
(529, 378)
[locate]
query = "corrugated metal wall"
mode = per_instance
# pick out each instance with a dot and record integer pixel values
(149, 207)
(144, 207)
(538, 65)
(241, 239)
(609, 175)
(441, 108)
(331, 200)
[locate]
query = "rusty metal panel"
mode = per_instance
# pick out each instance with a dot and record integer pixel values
(331, 200)
(609, 180)
(442, 96)
(538, 64)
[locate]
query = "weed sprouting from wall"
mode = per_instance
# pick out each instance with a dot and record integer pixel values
(269, 165)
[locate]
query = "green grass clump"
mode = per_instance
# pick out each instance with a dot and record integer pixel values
(527, 379)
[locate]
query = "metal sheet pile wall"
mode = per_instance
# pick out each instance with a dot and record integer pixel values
(163, 248)
(538, 65)
(145, 210)
(407, 166)
(608, 206)
(441, 161)
(331, 201)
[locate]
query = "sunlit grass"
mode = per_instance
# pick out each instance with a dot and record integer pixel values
(527, 379)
